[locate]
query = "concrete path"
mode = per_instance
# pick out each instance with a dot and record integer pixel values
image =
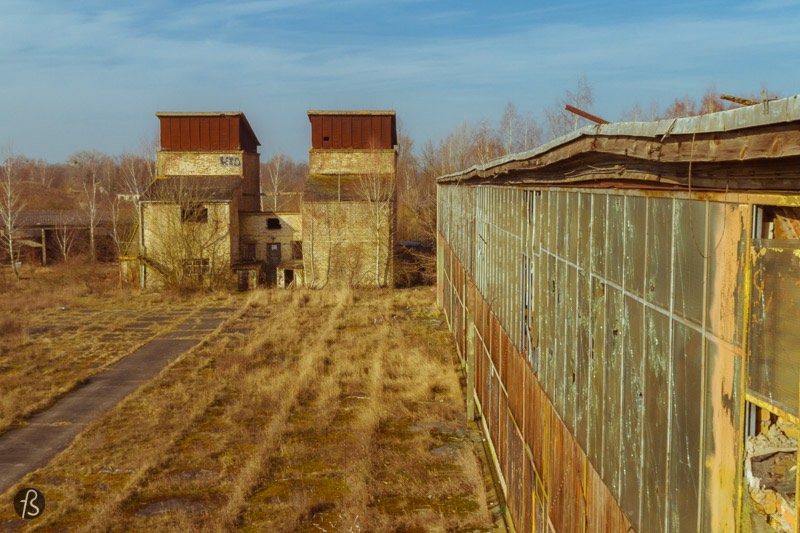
(48, 432)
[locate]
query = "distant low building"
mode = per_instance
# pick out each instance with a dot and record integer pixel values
(47, 235)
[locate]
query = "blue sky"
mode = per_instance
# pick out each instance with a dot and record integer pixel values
(91, 75)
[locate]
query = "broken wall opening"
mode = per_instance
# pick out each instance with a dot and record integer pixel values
(771, 459)
(770, 469)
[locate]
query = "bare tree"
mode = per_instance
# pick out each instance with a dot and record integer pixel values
(636, 113)
(11, 205)
(322, 221)
(136, 171)
(65, 236)
(378, 191)
(135, 174)
(486, 144)
(41, 173)
(407, 164)
(124, 223)
(559, 121)
(187, 235)
(275, 170)
(92, 171)
(518, 132)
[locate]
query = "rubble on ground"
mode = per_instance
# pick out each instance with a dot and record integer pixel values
(771, 472)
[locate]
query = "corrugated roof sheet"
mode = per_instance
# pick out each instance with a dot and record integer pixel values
(763, 114)
(52, 218)
(381, 112)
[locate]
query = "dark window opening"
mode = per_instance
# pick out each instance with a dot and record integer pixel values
(273, 223)
(326, 138)
(297, 250)
(194, 213)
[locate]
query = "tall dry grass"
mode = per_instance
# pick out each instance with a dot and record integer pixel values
(64, 323)
(337, 411)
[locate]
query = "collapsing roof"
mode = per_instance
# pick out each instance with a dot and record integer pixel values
(750, 148)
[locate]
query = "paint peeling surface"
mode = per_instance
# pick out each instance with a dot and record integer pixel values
(621, 318)
(775, 336)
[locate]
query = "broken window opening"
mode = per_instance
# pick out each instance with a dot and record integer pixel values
(297, 250)
(194, 213)
(773, 222)
(273, 223)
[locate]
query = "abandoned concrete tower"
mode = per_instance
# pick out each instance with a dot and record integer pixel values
(349, 214)
(625, 300)
(207, 176)
(205, 214)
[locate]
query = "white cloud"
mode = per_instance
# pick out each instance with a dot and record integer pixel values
(105, 71)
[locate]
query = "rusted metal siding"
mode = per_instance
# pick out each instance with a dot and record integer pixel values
(352, 131)
(628, 396)
(206, 133)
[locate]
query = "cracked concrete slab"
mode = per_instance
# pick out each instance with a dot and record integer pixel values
(45, 434)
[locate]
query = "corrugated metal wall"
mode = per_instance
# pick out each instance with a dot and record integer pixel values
(358, 131)
(205, 133)
(610, 341)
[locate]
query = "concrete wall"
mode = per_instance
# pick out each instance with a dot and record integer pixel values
(254, 229)
(609, 334)
(330, 161)
(170, 163)
(244, 164)
(348, 243)
(168, 241)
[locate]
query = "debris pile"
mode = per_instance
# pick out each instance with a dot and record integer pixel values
(771, 473)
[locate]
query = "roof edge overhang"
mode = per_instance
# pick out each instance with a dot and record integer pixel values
(767, 131)
(376, 112)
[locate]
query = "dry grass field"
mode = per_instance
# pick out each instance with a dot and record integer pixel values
(62, 324)
(307, 411)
